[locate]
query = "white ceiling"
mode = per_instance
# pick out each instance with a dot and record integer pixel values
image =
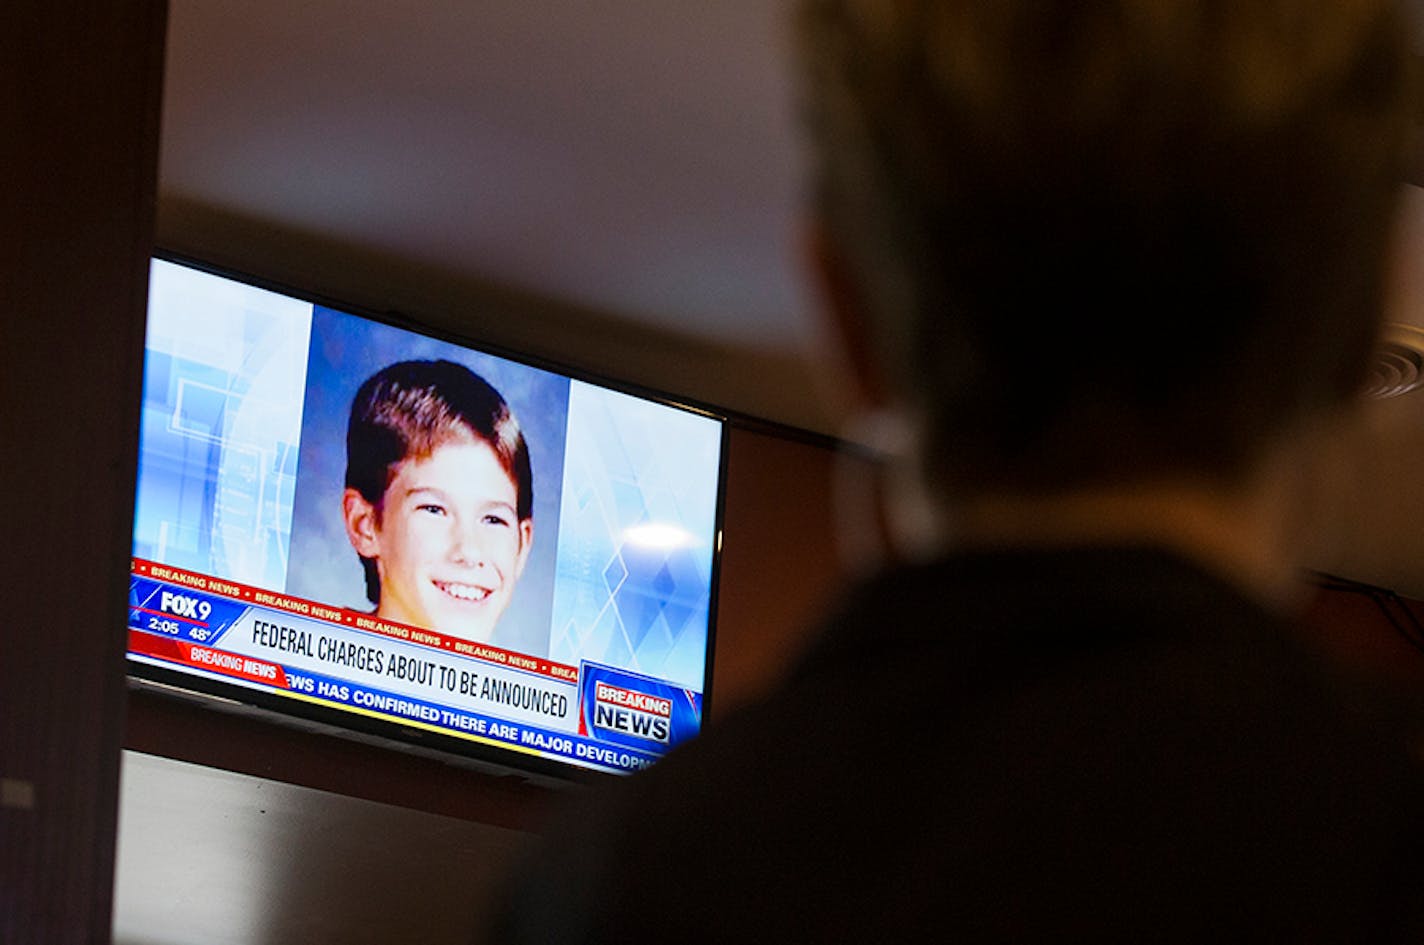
(608, 184)
(635, 160)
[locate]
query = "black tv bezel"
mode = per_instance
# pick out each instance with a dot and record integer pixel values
(214, 692)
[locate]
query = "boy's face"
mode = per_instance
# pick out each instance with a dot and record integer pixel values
(447, 543)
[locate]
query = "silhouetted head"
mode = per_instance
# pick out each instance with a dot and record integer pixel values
(1100, 240)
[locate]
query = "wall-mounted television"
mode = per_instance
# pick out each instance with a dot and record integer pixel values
(355, 522)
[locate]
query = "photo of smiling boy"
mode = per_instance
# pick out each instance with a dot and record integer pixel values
(438, 501)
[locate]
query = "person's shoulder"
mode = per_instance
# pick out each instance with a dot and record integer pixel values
(941, 714)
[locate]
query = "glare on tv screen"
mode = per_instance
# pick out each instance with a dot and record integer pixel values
(344, 519)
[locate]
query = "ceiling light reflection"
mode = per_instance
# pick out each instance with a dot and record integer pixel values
(660, 536)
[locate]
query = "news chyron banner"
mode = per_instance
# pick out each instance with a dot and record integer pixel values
(592, 715)
(584, 640)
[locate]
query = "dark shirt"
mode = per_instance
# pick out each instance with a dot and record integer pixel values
(1029, 747)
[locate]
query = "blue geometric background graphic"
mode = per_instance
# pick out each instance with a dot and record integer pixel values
(637, 536)
(224, 369)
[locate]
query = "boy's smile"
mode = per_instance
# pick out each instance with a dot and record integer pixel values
(463, 591)
(447, 541)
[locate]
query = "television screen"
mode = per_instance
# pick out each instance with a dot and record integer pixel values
(361, 524)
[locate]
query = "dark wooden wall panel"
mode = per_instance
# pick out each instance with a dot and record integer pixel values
(81, 89)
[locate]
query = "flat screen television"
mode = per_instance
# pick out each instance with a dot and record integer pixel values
(364, 524)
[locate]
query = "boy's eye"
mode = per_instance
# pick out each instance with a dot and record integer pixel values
(431, 508)
(492, 518)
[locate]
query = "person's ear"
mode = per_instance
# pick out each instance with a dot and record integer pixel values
(526, 539)
(842, 305)
(360, 518)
